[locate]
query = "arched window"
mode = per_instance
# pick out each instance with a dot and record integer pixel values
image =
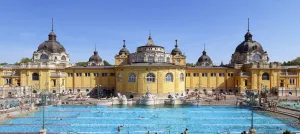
(132, 78)
(256, 57)
(151, 59)
(55, 58)
(140, 58)
(78, 90)
(181, 77)
(35, 76)
(63, 58)
(119, 77)
(265, 76)
(44, 57)
(168, 59)
(161, 59)
(169, 77)
(150, 77)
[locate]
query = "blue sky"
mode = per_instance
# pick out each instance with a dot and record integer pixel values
(80, 24)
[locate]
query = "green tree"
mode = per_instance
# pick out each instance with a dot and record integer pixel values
(293, 62)
(17, 63)
(25, 60)
(106, 63)
(82, 63)
(4, 63)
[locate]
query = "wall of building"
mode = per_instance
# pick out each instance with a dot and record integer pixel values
(88, 80)
(230, 80)
(141, 85)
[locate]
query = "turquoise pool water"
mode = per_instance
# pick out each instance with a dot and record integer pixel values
(293, 105)
(105, 120)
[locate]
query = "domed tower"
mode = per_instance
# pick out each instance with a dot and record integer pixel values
(150, 53)
(95, 60)
(176, 50)
(177, 57)
(51, 51)
(122, 57)
(249, 51)
(204, 59)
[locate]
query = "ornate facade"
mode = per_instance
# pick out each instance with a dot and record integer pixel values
(150, 67)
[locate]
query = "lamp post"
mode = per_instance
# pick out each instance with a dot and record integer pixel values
(44, 113)
(31, 95)
(252, 100)
(97, 91)
(44, 101)
(100, 91)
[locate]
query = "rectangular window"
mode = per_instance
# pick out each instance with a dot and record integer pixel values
(87, 74)
(78, 74)
(196, 74)
(96, 74)
(104, 74)
(213, 74)
(292, 81)
(188, 74)
(8, 81)
(112, 74)
(230, 74)
(204, 74)
(221, 74)
(70, 74)
(54, 83)
(246, 82)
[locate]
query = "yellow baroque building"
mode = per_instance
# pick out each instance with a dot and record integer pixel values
(151, 68)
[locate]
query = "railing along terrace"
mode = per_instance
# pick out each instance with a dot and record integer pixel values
(11, 74)
(288, 74)
(59, 74)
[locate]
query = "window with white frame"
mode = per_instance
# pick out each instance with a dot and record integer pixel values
(87, 74)
(119, 77)
(292, 81)
(96, 74)
(140, 58)
(150, 77)
(168, 60)
(8, 81)
(169, 77)
(161, 59)
(132, 78)
(151, 59)
(181, 77)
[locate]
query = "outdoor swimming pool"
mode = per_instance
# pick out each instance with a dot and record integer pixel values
(293, 105)
(105, 120)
